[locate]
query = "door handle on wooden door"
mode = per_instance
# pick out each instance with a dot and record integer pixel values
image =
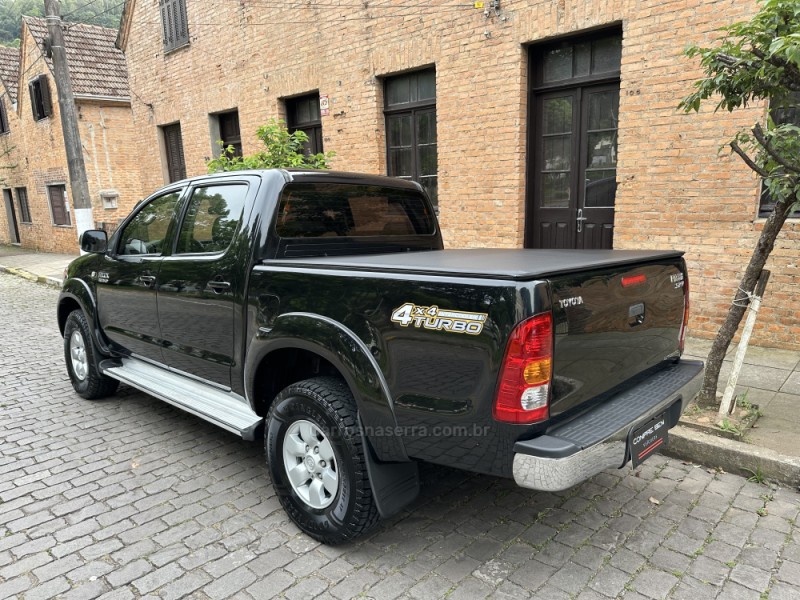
(580, 220)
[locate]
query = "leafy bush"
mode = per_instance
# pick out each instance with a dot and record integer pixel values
(282, 150)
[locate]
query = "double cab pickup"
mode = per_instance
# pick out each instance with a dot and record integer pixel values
(318, 311)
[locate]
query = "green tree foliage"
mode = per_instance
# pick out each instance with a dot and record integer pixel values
(755, 61)
(96, 12)
(281, 150)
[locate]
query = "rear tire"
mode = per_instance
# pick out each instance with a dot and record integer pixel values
(315, 458)
(79, 353)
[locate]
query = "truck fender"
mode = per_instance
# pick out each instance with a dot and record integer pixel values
(78, 291)
(350, 356)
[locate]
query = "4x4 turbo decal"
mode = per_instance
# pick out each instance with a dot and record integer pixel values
(436, 319)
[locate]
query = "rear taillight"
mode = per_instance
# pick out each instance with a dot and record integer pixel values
(685, 313)
(523, 391)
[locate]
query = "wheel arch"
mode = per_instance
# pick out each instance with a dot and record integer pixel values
(75, 295)
(304, 345)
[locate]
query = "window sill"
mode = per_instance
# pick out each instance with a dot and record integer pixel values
(172, 51)
(762, 220)
(63, 226)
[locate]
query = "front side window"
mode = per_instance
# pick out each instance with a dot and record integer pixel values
(411, 140)
(341, 210)
(145, 233)
(41, 105)
(212, 219)
(174, 25)
(302, 114)
(57, 195)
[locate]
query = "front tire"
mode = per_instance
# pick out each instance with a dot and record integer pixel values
(315, 457)
(79, 352)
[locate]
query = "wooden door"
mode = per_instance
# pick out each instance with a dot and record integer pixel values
(574, 115)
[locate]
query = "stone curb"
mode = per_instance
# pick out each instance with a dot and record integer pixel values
(51, 281)
(732, 456)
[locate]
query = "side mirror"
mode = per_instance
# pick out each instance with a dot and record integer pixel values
(94, 241)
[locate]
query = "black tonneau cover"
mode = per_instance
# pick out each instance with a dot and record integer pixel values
(501, 263)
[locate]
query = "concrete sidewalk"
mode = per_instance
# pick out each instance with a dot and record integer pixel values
(39, 266)
(770, 378)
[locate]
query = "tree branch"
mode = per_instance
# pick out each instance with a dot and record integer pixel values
(748, 161)
(790, 69)
(758, 132)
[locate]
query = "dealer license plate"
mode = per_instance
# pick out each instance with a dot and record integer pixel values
(648, 438)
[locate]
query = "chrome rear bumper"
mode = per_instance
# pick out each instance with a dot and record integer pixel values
(598, 439)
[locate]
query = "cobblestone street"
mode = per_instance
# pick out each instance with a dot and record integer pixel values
(128, 497)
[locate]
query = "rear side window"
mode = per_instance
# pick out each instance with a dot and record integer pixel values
(212, 219)
(342, 210)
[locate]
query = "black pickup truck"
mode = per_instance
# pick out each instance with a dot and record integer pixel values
(319, 310)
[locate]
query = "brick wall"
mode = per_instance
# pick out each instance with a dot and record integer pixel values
(675, 191)
(12, 162)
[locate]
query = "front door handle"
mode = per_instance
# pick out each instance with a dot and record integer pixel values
(581, 219)
(219, 286)
(147, 280)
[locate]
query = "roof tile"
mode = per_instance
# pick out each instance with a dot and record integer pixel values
(9, 70)
(96, 66)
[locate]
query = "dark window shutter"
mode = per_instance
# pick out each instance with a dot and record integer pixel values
(32, 96)
(24, 207)
(302, 114)
(181, 26)
(3, 118)
(47, 106)
(229, 131)
(174, 145)
(57, 204)
(174, 23)
(165, 23)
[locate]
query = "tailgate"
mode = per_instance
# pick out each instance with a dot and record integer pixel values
(613, 324)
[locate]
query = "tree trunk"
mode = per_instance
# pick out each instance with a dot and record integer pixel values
(766, 242)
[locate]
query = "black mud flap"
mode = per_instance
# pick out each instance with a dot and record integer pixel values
(394, 484)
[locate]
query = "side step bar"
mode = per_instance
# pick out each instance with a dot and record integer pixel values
(224, 409)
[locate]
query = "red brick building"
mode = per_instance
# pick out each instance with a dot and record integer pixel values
(34, 178)
(533, 123)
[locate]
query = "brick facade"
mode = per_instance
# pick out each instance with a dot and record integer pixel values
(675, 190)
(39, 158)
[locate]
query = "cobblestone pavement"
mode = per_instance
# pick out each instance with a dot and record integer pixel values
(128, 497)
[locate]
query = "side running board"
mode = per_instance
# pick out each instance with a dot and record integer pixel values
(224, 409)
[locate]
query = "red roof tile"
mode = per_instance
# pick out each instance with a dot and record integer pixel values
(9, 70)
(96, 66)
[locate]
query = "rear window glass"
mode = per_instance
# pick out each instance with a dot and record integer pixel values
(342, 210)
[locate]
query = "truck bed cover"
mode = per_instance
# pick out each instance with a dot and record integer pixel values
(484, 263)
